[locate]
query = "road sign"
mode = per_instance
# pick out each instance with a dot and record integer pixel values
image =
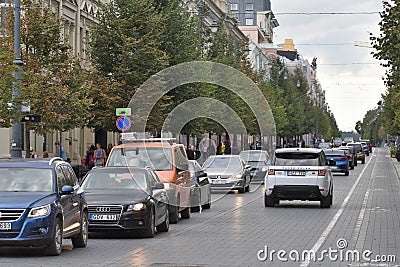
(123, 112)
(31, 118)
(123, 123)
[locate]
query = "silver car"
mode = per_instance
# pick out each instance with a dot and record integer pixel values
(228, 172)
(299, 174)
(258, 160)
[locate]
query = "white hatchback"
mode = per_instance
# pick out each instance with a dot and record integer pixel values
(299, 174)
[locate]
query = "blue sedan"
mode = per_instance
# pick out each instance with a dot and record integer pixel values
(341, 159)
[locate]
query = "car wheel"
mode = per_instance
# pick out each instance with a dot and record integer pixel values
(185, 214)
(80, 241)
(174, 213)
(164, 227)
(196, 201)
(150, 230)
(331, 198)
(208, 205)
(55, 247)
(346, 173)
(325, 202)
(269, 201)
(243, 188)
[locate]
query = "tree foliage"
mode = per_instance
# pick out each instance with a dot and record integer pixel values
(387, 46)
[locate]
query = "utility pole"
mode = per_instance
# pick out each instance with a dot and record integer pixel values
(16, 143)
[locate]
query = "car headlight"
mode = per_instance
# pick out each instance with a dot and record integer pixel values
(137, 206)
(40, 211)
(237, 176)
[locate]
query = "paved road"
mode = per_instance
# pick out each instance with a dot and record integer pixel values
(238, 230)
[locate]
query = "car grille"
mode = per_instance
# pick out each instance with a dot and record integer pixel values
(10, 214)
(105, 209)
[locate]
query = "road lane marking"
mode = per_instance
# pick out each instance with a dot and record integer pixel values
(328, 229)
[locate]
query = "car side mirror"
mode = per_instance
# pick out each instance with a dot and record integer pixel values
(247, 166)
(67, 190)
(202, 179)
(158, 186)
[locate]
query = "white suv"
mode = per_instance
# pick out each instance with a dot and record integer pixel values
(299, 174)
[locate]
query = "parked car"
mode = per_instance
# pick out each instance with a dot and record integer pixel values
(41, 203)
(228, 172)
(365, 147)
(324, 145)
(337, 141)
(170, 162)
(201, 188)
(299, 174)
(258, 160)
(359, 151)
(350, 155)
(130, 199)
(341, 157)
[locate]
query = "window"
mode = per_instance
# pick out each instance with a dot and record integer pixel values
(249, 7)
(249, 22)
(234, 7)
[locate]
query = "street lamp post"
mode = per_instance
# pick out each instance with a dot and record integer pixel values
(16, 143)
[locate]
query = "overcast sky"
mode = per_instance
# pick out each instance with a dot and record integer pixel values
(351, 89)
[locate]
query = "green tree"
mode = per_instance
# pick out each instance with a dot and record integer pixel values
(387, 46)
(125, 49)
(52, 77)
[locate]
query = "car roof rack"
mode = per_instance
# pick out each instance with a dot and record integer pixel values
(134, 140)
(55, 159)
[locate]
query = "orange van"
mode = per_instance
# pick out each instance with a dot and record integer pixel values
(170, 162)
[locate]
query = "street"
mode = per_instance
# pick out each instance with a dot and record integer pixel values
(239, 231)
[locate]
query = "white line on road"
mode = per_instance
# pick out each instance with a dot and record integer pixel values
(328, 229)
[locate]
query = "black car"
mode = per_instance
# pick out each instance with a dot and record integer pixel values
(200, 190)
(41, 203)
(258, 160)
(126, 198)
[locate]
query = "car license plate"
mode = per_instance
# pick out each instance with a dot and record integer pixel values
(103, 217)
(296, 173)
(5, 226)
(219, 181)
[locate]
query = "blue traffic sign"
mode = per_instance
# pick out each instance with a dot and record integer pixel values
(123, 123)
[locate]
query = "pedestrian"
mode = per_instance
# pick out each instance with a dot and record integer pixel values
(109, 148)
(190, 152)
(45, 154)
(60, 151)
(99, 155)
(90, 157)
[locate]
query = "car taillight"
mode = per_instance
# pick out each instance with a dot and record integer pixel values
(271, 172)
(351, 156)
(321, 190)
(321, 172)
(342, 158)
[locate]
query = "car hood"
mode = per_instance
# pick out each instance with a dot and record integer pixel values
(23, 200)
(223, 172)
(117, 197)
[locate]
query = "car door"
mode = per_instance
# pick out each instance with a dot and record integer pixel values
(66, 201)
(204, 184)
(76, 196)
(159, 196)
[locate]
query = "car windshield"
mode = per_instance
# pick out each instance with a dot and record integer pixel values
(296, 159)
(357, 147)
(26, 180)
(253, 156)
(228, 163)
(159, 159)
(115, 180)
